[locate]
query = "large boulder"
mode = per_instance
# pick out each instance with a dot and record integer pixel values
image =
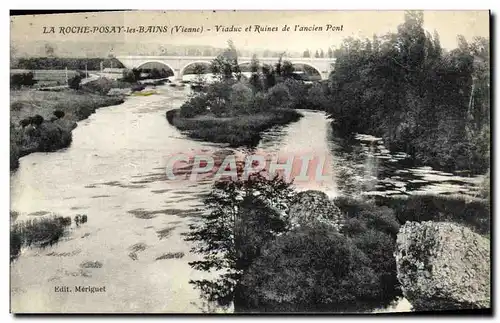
(443, 266)
(309, 207)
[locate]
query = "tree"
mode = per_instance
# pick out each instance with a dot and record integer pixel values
(428, 107)
(225, 65)
(330, 52)
(128, 76)
(316, 54)
(37, 120)
(74, 82)
(255, 79)
(244, 214)
(306, 53)
(49, 50)
(287, 70)
(322, 54)
(269, 76)
(200, 71)
(241, 98)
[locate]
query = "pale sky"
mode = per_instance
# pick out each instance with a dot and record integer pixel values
(26, 30)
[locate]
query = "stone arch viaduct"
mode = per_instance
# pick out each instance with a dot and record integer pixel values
(178, 64)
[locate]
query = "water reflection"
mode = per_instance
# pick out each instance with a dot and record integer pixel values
(367, 167)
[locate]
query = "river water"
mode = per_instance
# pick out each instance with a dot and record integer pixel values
(114, 172)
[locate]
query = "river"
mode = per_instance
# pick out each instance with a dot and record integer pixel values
(114, 172)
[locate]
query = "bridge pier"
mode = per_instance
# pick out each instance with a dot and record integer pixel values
(177, 75)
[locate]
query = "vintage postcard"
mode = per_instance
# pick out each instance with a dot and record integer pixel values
(250, 162)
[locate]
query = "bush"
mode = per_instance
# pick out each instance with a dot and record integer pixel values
(196, 105)
(53, 137)
(101, 86)
(16, 106)
(310, 269)
(260, 102)
(361, 215)
(279, 96)
(298, 91)
(58, 114)
(138, 87)
(37, 120)
(241, 98)
(316, 98)
(22, 79)
(128, 76)
(218, 96)
(25, 122)
(74, 82)
(156, 73)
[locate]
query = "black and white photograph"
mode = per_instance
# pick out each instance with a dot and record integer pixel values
(250, 162)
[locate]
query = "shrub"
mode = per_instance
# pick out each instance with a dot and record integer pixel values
(128, 76)
(156, 73)
(22, 79)
(53, 137)
(298, 91)
(374, 229)
(138, 87)
(279, 96)
(25, 122)
(362, 215)
(58, 114)
(241, 98)
(16, 106)
(218, 96)
(15, 244)
(196, 105)
(260, 102)
(101, 86)
(316, 98)
(310, 269)
(74, 82)
(37, 120)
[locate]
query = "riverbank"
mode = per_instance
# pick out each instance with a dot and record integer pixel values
(36, 128)
(235, 131)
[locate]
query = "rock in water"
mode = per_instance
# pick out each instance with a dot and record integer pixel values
(314, 206)
(443, 266)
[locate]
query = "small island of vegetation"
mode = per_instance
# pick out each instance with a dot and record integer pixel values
(235, 109)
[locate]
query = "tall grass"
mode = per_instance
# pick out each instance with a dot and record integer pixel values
(37, 232)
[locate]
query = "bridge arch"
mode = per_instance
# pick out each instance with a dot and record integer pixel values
(141, 65)
(193, 63)
(308, 69)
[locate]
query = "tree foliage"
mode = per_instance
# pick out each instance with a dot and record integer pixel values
(244, 214)
(421, 99)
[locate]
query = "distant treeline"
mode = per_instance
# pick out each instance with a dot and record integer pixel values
(60, 63)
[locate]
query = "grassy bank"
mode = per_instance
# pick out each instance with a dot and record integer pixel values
(48, 132)
(236, 131)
